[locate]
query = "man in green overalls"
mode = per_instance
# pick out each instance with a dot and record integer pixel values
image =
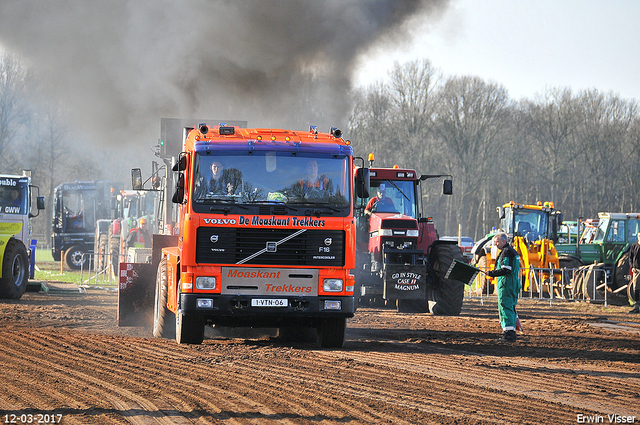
(507, 274)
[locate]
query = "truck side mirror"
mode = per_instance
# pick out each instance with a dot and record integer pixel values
(500, 212)
(363, 182)
(181, 164)
(136, 179)
(40, 202)
(447, 187)
(178, 196)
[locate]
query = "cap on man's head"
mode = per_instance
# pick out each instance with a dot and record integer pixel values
(143, 220)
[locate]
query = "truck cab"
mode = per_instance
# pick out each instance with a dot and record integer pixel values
(15, 233)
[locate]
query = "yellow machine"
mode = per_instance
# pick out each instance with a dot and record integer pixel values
(533, 231)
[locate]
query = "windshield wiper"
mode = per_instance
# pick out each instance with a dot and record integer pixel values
(273, 202)
(318, 207)
(226, 202)
(398, 189)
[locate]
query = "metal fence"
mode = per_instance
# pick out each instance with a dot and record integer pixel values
(577, 284)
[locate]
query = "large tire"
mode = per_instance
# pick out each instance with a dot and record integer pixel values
(621, 272)
(592, 273)
(15, 270)
(163, 318)
(446, 299)
(570, 276)
(114, 253)
(75, 259)
(100, 260)
(331, 332)
(485, 286)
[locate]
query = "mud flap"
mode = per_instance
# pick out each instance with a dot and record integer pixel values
(405, 282)
(136, 294)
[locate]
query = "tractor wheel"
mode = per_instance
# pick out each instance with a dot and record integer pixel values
(592, 278)
(15, 270)
(621, 272)
(446, 299)
(163, 318)
(571, 266)
(484, 285)
(76, 258)
(114, 253)
(331, 332)
(100, 260)
(297, 334)
(578, 278)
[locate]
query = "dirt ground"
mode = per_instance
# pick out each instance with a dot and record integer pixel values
(63, 357)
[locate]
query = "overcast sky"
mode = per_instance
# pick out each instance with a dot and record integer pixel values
(528, 45)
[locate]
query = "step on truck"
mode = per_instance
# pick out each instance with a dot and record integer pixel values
(15, 233)
(265, 236)
(401, 262)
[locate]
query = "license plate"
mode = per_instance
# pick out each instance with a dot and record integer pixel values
(277, 302)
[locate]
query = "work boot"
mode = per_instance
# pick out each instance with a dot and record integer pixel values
(635, 309)
(508, 336)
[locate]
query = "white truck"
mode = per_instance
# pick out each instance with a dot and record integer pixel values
(15, 233)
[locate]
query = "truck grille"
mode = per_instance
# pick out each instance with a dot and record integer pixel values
(269, 247)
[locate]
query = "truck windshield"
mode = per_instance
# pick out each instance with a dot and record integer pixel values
(601, 230)
(532, 224)
(272, 177)
(401, 193)
(14, 194)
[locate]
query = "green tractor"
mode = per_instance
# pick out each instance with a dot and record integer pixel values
(603, 250)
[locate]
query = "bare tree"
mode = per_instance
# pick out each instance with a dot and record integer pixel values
(470, 124)
(12, 87)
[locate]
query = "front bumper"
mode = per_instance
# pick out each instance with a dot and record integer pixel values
(237, 310)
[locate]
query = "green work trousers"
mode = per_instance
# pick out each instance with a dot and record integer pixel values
(508, 289)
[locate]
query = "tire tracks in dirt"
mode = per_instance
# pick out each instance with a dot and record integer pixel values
(556, 389)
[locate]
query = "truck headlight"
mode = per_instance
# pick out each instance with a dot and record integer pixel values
(205, 282)
(414, 233)
(385, 232)
(332, 285)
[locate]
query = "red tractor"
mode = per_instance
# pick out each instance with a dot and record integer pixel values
(400, 260)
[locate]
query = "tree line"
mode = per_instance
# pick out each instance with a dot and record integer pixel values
(579, 150)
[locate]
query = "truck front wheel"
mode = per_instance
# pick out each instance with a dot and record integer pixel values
(163, 318)
(331, 332)
(15, 271)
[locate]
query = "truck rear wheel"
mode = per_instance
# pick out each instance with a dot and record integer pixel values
(75, 258)
(447, 298)
(15, 272)
(331, 332)
(163, 318)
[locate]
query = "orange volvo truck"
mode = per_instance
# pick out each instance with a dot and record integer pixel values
(265, 235)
